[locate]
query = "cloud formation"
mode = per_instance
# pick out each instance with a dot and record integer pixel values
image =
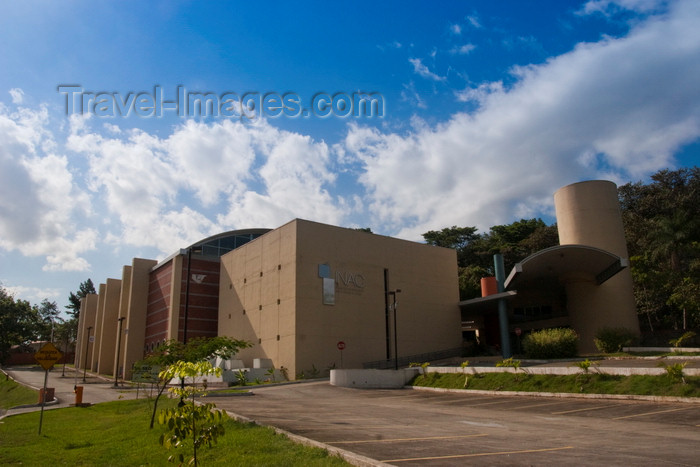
(40, 205)
(252, 175)
(616, 109)
(619, 109)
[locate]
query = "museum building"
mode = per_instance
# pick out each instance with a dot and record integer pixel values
(310, 296)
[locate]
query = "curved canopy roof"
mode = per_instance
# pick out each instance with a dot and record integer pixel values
(559, 261)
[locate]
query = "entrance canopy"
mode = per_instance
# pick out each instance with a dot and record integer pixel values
(559, 261)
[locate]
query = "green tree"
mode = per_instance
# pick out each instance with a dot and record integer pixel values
(48, 319)
(18, 323)
(662, 227)
(518, 240)
(196, 350)
(200, 423)
(73, 306)
(451, 237)
(475, 251)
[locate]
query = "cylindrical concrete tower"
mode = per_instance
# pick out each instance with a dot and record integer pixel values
(588, 213)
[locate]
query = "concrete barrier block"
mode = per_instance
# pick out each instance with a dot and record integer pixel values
(372, 378)
(262, 363)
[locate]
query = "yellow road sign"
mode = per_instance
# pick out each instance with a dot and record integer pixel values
(48, 355)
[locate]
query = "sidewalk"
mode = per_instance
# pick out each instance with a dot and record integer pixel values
(96, 388)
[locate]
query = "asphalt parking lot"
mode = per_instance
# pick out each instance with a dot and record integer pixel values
(412, 427)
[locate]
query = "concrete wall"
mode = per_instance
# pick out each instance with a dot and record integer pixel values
(135, 312)
(588, 213)
(428, 318)
(123, 312)
(106, 339)
(272, 295)
(97, 331)
(88, 314)
(256, 301)
(373, 379)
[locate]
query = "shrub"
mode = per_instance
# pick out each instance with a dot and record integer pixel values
(551, 343)
(610, 340)
(675, 371)
(509, 362)
(682, 340)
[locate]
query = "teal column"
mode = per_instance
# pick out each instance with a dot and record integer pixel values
(502, 308)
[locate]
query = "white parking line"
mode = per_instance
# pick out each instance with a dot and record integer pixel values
(650, 413)
(392, 440)
(586, 409)
(459, 456)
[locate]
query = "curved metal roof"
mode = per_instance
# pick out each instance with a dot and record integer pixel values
(230, 233)
(562, 260)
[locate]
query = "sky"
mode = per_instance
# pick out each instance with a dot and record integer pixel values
(478, 112)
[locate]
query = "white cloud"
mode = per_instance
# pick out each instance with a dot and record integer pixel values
(456, 29)
(618, 108)
(608, 7)
(421, 70)
(463, 49)
(40, 204)
(409, 94)
(251, 174)
(33, 294)
(296, 178)
(474, 21)
(17, 95)
(214, 159)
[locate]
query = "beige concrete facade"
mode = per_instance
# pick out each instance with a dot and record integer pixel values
(106, 338)
(297, 291)
(86, 325)
(588, 213)
(272, 294)
(135, 279)
(97, 331)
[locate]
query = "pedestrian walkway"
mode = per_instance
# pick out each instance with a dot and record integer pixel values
(96, 388)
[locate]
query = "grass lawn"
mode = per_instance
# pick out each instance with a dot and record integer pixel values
(592, 383)
(13, 394)
(117, 434)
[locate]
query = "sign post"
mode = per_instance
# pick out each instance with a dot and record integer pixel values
(341, 346)
(46, 357)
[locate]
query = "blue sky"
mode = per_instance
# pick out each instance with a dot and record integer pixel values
(488, 108)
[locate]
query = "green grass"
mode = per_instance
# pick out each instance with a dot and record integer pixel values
(581, 384)
(117, 434)
(13, 394)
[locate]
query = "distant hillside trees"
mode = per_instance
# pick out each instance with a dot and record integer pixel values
(662, 225)
(475, 251)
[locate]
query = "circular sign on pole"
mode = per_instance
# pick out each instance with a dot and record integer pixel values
(341, 345)
(518, 331)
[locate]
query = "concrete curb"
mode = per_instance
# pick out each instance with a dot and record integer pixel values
(562, 395)
(558, 370)
(227, 394)
(350, 457)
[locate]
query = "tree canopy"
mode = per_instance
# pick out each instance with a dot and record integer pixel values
(73, 307)
(662, 226)
(18, 323)
(475, 251)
